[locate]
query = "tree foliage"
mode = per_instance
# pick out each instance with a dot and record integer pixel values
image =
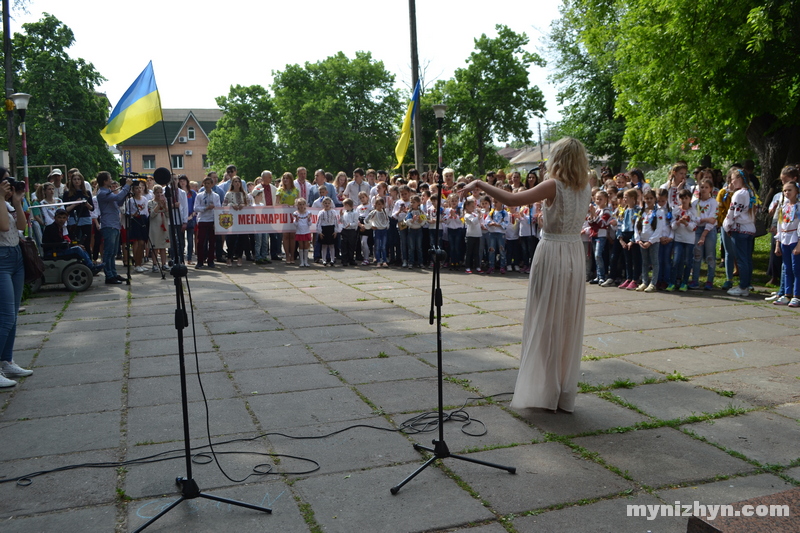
(338, 113)
(245, 135)
(490, 99)
(716, 76)
(65, 114)
(585, 80)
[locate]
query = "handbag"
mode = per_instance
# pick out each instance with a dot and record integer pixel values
(34, 266)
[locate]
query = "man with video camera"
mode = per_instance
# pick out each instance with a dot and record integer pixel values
(109, 204)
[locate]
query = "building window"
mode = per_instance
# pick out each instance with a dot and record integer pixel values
(190, 133)
(148, 162)
(205, 160)
(177, 161)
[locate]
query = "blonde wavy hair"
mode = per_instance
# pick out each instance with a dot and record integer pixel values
(569, 163)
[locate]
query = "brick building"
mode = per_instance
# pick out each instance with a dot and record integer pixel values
(187, 133)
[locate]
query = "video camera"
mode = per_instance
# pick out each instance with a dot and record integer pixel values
(18, 186)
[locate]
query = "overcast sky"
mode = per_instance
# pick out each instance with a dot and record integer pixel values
(200, 48)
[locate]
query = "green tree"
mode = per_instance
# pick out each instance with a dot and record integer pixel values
(245, 135)
(719, 75)
(338, 113)
(65, 114)
(490, 99)
(585, 81)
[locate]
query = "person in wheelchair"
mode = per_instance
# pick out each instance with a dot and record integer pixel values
(59, 241)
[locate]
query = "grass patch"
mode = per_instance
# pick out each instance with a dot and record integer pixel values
(382, 355)
(676, 376)
(308, 516)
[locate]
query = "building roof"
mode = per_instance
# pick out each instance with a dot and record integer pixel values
(174, 121)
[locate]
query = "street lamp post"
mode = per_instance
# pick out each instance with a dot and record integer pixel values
(439, 110)
(21, 103)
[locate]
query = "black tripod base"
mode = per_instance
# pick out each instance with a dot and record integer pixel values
(190, 491)
(440, 451)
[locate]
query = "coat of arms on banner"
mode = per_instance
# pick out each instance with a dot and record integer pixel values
(225, 220)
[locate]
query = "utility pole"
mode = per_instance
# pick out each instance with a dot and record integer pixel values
(541, 148)
(9, 83)
(418, 143)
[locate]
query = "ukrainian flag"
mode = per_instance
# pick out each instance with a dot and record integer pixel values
(405, 132)
(138, 109)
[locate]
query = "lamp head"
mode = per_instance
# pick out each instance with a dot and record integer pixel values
(20, 100)
(439, 110)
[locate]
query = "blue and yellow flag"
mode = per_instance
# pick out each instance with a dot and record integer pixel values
(138, 109)
(405, 132)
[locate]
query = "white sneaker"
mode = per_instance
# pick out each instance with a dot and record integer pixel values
(650, 288)
(735, 291)
(641, 287)
(783, 300)
(154, 269)
(5, 382)
(10, 368)
(608, 283)
(772, 298)
(140, 269)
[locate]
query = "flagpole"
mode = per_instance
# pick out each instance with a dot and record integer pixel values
(412, 15)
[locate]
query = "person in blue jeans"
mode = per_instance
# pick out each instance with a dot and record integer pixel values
(109, 203)
(497, 221)
(12, 277)
(684, 223)
(415, 218)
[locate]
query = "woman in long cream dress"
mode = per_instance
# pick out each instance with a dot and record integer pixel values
(552, 334)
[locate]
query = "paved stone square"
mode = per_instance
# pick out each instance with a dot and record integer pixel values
(684, 397)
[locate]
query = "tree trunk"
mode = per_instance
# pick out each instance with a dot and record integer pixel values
(773, 145)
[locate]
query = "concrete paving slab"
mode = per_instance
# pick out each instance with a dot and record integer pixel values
(57, 491)
(64, 375)
(496, 336)
(382, 369)
(762, 436)
(689, 336)
(505, 304)
(38, 329)
(792, 370)
(238, 458)
(206, 516)
(490, 383)
(268, 356)
(757, 386)
(372, 316)
(637, 322)
(663, 456)
(168, 365)
(687, 361)
(791, 410)
(627, 342)
(167, 389)
(413, 395)
(755, 354)
(427, 342)
(158, 347)
(547, 474)
(751, 329)
(401, 327)
(492, 527)
(331, 318)
(677, 399)
(793, 473)
(334, 333)
(65, 434)
(727, 491)
(162, 423)
(24, 358)
(606, 516)
(591, 414)
(308, 408)
(358, 349)
(29, 342)
(36, 318)
(260, 340)
(476, 360)
(346, 504)
(35, 401)
(462, 432)
(359, 448)
(474, 321)
(285, 379)
(356, 305)
(607, 371)
(90, 520)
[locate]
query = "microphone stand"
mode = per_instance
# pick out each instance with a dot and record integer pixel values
(188, 486)
(440, 449)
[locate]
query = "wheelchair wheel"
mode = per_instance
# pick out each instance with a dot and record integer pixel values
(77, 277)
(35, 285)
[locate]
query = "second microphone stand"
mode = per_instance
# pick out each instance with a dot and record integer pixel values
(440, 449)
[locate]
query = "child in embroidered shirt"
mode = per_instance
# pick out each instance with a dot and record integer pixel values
(415, 218)
(598, 226)
(705, 248)
(684, 222)
(379, 221)
(302, 223)
(472, 221)
(455, 232)
(786, 245)
(327, 222)
(496, 223)
(349, 226)
(364, 232)
(666, 240)
(647, 234)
